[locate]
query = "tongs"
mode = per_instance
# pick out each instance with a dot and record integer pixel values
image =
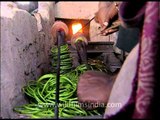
(114, 25)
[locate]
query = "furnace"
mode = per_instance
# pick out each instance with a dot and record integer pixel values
(80, 22)
(103, 50)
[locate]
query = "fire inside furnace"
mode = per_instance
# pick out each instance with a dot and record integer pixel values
(76, 27)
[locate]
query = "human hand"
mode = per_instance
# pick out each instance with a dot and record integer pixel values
(105, 16)
(113, 28)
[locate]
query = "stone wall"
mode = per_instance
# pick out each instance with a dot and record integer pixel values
(25, 51)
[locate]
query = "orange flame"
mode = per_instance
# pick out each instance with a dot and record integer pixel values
(76, 27)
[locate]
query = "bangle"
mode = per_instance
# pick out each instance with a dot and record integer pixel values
(116, 5)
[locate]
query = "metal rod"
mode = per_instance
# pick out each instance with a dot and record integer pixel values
(82, 52)
(86, 24)
(60, 39)
(114, 26)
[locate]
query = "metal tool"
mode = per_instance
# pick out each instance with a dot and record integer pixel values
(60, 37)
(59, 30)
(86, 24)
(80, 42)
(115, 25)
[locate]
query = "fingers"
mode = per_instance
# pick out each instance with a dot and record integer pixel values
(107, 32)
(104, 26)
(106, 14)
(114, 27)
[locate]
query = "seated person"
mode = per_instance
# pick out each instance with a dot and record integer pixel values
(136, 87)
(95, 87)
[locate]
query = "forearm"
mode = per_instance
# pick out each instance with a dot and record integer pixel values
(104, 4)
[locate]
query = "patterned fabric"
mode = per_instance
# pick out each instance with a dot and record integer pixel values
(150, 43)
(144, 100)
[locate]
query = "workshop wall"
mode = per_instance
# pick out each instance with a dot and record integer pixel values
(25, 47)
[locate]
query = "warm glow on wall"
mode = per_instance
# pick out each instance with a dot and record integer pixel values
(76, 27)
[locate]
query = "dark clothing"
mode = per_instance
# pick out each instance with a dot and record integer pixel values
(127, 38)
